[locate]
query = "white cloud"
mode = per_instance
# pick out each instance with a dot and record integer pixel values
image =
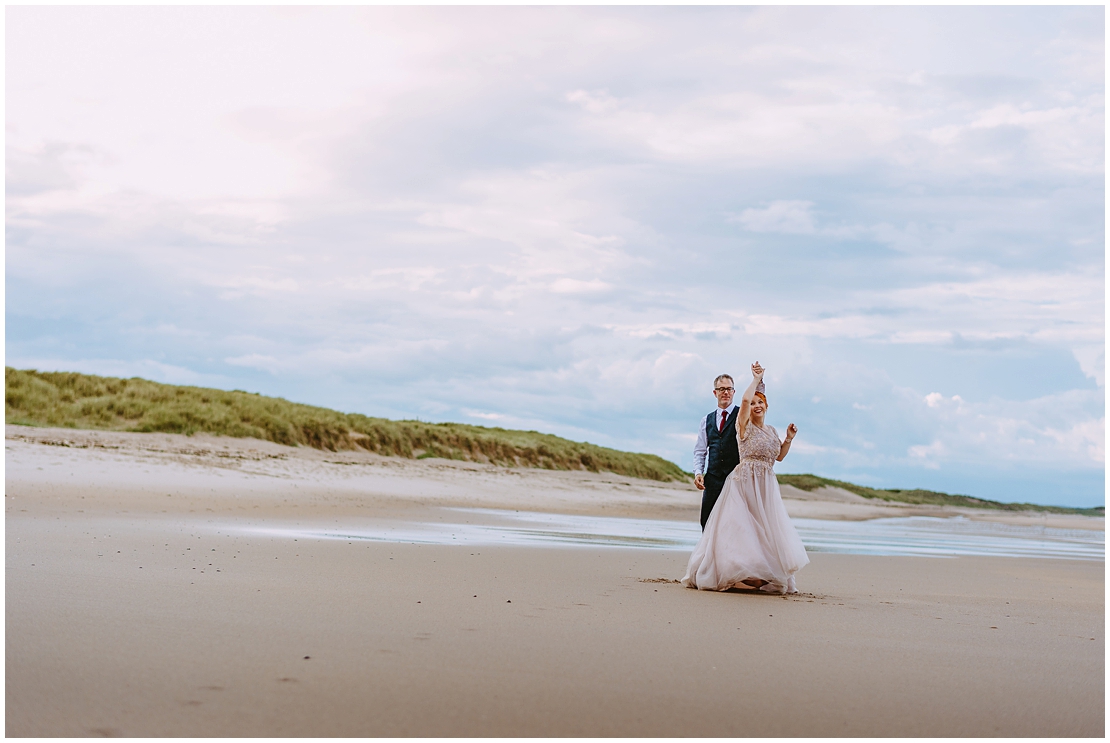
(674, 330)
(144, 368)
(1059, 133)
(921, 336)
(1092, 360)
(833, 327)
(577, 286)
(1045, 309)
(1002, 430)
(788, 217)
(928, 453)
(1089, 435)
(237, 286)
(466, 212)
(256, 361)
(497, 417)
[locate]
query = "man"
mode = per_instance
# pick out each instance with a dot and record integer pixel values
(716, 453)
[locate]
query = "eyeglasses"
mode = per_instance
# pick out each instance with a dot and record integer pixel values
(724, 389)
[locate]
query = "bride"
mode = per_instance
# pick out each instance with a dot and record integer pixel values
(748, 540)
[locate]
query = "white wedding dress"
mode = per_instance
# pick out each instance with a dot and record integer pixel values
(748, 534)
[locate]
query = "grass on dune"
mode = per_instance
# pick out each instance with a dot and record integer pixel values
(812, 482)
(71, 400)
(68, 399)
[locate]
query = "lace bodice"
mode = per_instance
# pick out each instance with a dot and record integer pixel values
(759, 445)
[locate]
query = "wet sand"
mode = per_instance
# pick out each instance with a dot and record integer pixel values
(128, 614)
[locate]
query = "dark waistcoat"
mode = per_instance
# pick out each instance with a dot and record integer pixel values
(723, 452)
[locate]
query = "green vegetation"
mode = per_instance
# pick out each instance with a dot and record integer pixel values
(67, 399)
(812, 482)
(71, 400)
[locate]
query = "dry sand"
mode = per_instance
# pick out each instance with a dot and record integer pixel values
(128, 614)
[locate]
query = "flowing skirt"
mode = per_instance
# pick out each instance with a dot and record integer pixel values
(748, 536)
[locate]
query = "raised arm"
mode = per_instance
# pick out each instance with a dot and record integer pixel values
(791, 432)
(745, 412)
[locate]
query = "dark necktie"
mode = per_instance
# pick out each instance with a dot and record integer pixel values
(721, 427)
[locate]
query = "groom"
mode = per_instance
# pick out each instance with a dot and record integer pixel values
(716, 453)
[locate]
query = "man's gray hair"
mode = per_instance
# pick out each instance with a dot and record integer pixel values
(723, 376)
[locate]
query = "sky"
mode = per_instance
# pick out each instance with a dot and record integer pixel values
(571, 219)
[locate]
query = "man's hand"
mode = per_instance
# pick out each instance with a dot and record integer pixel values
(699, 482)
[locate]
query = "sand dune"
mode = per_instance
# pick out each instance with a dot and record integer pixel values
(362, 483)
(133, 610)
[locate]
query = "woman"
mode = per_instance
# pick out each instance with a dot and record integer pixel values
(748, 540)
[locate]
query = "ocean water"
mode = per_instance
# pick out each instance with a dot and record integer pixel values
(921, 536)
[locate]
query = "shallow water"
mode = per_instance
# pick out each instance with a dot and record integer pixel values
(922, 536)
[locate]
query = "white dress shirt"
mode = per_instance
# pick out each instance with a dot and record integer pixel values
(701, 449)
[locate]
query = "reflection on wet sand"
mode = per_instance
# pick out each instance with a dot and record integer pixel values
(919, 536)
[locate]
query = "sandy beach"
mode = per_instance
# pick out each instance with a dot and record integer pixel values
(139, 603)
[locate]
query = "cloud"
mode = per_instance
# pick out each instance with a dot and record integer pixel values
(255, 361)
(576, 286)
(1092, 360)
(462, 213)
(675, 330)
(788, 217)
(1059, 133)
(44, 169)
(928, 454)
(144, 368)
(830, 327)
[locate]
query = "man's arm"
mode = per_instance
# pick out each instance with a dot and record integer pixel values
(700, 449)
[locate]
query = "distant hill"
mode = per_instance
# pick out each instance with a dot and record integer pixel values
(71, 400)
(812, 482)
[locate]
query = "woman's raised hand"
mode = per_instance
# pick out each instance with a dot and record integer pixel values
(757, 370)
(784, 448)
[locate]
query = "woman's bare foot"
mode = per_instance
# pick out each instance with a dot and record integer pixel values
(754, 582)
